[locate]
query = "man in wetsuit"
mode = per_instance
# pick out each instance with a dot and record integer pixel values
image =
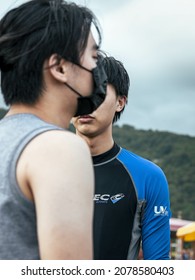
(132, 206)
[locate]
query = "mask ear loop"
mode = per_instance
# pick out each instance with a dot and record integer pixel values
(74, 90)
(83, 67)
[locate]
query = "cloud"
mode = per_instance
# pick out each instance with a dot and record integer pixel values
(156, 43)
(154, 40)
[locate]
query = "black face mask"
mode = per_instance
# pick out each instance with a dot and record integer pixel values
(88, 104)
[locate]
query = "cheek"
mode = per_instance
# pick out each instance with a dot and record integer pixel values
(106, 112)
(88, 61)
(83, 82)
(74, 122)
(86, 84)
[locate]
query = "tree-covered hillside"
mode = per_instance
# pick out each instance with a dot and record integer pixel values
(174, 153)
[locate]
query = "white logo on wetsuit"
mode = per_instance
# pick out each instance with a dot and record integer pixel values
(104, 198)
(160, 211)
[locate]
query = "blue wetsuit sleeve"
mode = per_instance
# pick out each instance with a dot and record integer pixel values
(156, 217)
(152, 188)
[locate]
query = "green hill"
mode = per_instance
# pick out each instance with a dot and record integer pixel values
(174, 153)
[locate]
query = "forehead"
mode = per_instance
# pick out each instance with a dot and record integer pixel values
(91, 43)
(94, 33)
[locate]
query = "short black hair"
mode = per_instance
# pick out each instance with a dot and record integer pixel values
(31, 33)
(117, 76)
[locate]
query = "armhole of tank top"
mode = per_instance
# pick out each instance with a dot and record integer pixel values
(14, 187)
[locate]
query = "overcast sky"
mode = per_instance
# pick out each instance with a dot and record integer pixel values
(155, 40)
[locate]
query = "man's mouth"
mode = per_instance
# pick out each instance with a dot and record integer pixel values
(85, 118)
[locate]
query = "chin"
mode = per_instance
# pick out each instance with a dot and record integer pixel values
(86, 132)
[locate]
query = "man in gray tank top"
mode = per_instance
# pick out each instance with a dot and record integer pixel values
(49, 73)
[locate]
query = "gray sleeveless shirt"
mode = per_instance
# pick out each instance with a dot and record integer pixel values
(18, 232)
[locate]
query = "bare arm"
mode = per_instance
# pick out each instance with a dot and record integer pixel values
(60, 177)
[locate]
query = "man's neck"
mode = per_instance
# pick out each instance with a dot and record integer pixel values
(98, 144)
(51, 116)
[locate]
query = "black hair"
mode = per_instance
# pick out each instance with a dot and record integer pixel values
(117, 76)
(31, 33)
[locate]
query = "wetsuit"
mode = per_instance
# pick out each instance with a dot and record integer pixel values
(131, 206)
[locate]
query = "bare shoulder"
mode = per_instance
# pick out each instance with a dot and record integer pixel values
(61, 150)
(58, 141)
(54, 156)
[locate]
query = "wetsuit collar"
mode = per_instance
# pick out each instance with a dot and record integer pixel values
(110, 154)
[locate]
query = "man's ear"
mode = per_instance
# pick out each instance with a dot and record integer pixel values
(121, 102)
(58, 67)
